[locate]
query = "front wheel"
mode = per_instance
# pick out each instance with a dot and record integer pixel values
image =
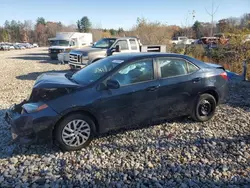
(204, 108)
(74, 132)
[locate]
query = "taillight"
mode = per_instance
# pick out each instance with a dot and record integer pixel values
(224, 75)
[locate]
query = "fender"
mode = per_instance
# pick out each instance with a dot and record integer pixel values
(97, 58)
(76, 109)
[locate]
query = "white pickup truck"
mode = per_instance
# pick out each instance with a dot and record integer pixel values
(79, 58)
(182, 40)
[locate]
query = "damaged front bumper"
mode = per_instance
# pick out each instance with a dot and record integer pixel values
(28, 128)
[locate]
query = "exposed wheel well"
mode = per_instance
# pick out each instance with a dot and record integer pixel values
(75, 112)
(213, 93)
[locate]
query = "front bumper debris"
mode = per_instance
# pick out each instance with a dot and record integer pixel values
(30, 128)
(25, 137)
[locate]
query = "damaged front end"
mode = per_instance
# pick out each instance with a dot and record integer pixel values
(32, 120)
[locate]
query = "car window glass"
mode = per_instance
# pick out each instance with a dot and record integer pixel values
(133, 44)
(139, 71)
(191, 68)
(123, 44)
(96, 70)
(172, 67)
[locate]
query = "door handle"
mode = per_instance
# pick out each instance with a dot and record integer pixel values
(196, 80)
(152, 88)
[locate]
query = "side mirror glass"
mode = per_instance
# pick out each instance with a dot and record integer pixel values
(118, 48)
(113, 84)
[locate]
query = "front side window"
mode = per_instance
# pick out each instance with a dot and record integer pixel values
(139, 71)
(104, 43)
(175, 67)
(123, 44)
(59, 43)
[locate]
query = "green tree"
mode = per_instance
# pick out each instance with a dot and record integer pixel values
(197, 29)
(40, 20)
(4, 35)
(120, 30)
(112, 32)
(84, 25)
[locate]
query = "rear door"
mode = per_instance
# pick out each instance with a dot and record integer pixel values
(177, 81)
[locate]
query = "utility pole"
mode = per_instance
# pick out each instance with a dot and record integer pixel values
(212, 13)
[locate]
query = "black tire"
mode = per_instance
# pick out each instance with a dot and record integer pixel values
(205, 102)
(59, 131)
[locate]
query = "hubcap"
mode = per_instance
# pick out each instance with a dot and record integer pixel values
(205, 108)
(76, 133)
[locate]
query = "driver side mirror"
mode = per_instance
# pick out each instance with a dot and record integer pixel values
(117, 48)
(113, 84)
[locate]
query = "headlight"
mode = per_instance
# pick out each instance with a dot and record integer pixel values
(33, 107)
(84, 58)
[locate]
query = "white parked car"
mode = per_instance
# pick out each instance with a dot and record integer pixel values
(182, 40)
(35, 45)
(21, 47)
(11, 47)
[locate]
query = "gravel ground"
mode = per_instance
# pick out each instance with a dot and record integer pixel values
(177, 153)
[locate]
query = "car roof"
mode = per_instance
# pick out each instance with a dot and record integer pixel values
(114, 38)
(140, 55)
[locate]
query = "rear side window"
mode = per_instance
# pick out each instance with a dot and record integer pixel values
(133, 44)
(175, 67)
(191, 67)
(123, 44)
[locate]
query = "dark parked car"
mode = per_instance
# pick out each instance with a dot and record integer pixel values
(116, 92)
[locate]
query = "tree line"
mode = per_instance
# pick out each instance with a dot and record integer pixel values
(149, 32)
(40, 31)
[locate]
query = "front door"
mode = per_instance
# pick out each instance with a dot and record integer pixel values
(135, 100)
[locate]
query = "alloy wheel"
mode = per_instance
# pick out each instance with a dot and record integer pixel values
(76, 133)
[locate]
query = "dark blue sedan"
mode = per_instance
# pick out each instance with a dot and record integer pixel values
(115, 92)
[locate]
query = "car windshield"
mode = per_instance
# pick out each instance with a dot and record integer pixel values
(95, 70)
(104, 43)
(59, 43)
(183, 38)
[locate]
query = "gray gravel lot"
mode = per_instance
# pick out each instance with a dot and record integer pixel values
(177, 153)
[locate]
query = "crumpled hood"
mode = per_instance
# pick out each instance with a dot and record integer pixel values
(54, 80)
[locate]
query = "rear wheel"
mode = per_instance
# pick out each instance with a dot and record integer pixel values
(204, 108)
(74, 132)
